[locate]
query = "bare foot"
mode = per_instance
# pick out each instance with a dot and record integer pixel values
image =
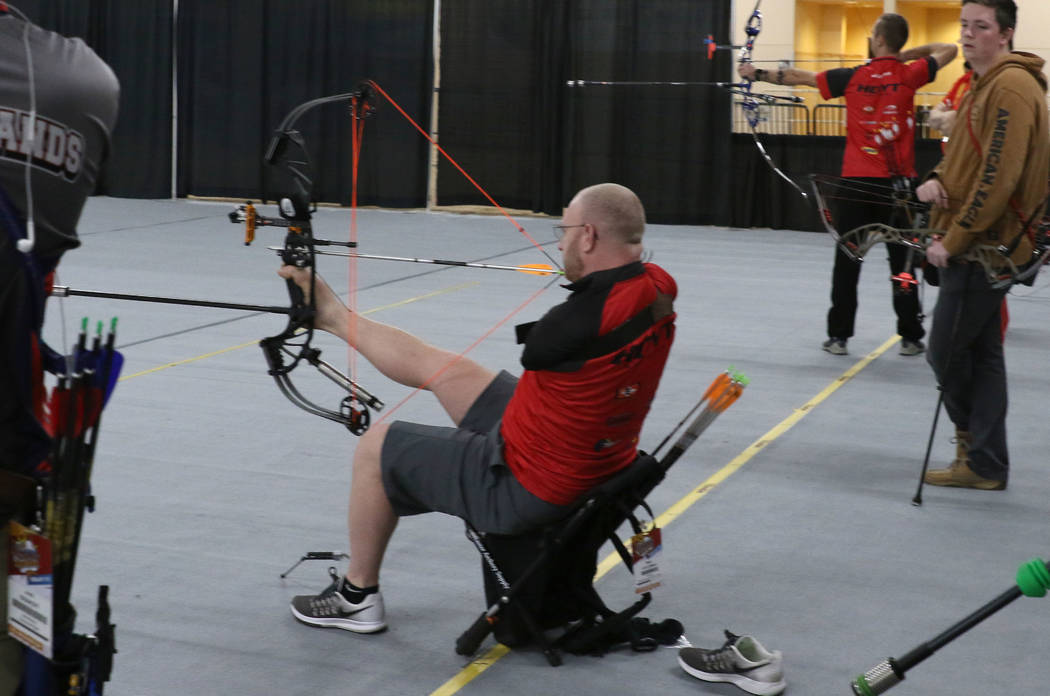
(332, 314)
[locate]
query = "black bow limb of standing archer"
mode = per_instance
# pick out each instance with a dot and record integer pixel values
(912, 231)
(288, 349)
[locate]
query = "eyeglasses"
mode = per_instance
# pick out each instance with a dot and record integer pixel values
(559, 230)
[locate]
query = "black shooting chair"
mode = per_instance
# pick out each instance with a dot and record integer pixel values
(544, 579)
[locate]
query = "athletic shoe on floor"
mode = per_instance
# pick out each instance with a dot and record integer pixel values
(331, 609)
(741, 661)
(912, 347)
(835, 346)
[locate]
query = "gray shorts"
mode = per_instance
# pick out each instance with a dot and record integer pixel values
(460, 471)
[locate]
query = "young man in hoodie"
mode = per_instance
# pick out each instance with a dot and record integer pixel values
(988, 189)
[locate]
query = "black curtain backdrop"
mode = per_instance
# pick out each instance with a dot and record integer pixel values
(508, 115)
(244, 64)
(134, 37)
(506, 112)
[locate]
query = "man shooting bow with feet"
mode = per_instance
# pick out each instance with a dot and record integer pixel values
(522, 449)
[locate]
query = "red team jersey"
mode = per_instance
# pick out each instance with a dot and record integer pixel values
(574, 419)
(880, 95)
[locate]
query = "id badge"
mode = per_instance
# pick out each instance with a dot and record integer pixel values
(646, 549)
(30, 589)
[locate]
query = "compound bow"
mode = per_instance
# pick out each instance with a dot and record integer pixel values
(292, 346)
(1000, 270)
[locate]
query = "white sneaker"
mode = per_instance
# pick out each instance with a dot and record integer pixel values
(331, 609)
(741, 661)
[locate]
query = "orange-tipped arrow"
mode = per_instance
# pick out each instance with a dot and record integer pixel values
(723, 391)
(529, 268)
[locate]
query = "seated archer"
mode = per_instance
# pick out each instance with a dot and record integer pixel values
(592, 367)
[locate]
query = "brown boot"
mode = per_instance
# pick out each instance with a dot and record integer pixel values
(963, 440)
(959, 474)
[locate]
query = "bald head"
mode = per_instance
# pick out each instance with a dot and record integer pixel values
(614, 209)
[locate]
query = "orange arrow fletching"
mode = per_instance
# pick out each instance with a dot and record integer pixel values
(537, 269)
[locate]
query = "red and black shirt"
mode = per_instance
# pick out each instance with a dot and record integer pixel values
(880, 120)
(591, 372)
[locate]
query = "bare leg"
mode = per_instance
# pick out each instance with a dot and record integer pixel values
(455, 381)
(371, 518)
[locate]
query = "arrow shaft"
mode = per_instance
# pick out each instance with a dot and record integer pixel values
(439, 262)
(65, 291)
(641, 83)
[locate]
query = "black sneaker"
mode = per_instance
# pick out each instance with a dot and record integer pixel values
(741, 661)
(915, 347)
(331, 609)
(835, 346)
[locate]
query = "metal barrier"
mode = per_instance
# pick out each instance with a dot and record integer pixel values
(822, 119)
(829, 119)
(792, 119)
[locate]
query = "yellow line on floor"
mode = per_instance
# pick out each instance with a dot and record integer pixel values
(410, 300)
(754, 448)
(482, 663)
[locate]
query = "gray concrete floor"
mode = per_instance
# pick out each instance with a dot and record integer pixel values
(210, 484)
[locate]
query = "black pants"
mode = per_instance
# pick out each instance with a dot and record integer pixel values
(966, 354)
(860, 210)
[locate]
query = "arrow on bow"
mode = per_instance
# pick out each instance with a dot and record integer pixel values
(527, 268)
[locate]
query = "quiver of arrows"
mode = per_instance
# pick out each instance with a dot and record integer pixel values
(71, 415)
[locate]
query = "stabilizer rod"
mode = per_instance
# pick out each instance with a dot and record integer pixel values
(1033, 580)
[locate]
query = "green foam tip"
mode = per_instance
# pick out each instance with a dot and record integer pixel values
(1033, 578)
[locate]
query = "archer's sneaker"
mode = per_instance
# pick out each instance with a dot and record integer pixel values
(741, 661)
(912, 347)
(960, 475)
(331, 609)
(835, 346)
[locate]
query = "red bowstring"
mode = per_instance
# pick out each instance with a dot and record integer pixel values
(429, 380)
(461, 170)
(358, 131)
(356, 137)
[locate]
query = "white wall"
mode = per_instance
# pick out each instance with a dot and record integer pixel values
(778, 26)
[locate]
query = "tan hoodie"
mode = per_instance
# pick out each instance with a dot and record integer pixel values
(997, 163)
